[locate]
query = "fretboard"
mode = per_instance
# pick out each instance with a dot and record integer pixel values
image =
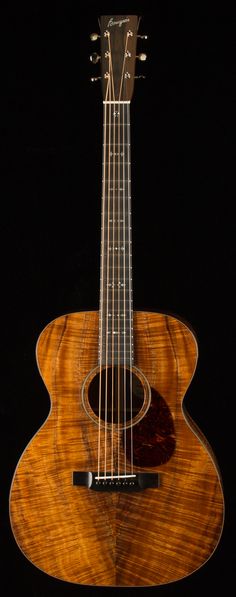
(116, 308)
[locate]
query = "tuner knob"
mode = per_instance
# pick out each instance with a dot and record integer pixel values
(143, 36)
(94, 36)
(94, 79)
(140, 77)
(142, 57)
(94, 57)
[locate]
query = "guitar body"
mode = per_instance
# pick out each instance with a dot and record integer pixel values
(140, 538)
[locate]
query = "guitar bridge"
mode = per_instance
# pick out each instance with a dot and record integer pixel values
(115, 482)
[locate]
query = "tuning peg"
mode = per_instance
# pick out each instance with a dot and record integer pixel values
(94, 79)
(94, 36)
(143, 36)
(142, 57)
(140, 77)
(95, 58)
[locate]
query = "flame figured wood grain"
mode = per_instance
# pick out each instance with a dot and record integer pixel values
(135, 539)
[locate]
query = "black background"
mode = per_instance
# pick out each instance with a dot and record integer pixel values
(183, 221)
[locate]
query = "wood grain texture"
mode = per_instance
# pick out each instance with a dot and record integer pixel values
(97, 538)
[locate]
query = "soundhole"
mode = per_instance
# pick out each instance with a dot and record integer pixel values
(118, 395)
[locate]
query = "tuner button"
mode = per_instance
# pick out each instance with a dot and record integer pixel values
(140, 77)
(94, 36)
(94, 79)
(143, 36)
(142, 57)
(94, 57)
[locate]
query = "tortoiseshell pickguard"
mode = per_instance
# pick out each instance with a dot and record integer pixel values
(154, 436)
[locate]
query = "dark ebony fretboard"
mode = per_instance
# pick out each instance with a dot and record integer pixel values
(116, 309)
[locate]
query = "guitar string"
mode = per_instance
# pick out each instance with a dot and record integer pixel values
(124, 260)
(113, 274)
(124, 303)
(107, 267)
(130, 287)
(112, 293)
(102, 279)
(109, 345)
(118, 298)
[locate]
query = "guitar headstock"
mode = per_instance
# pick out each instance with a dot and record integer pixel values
(118, 56)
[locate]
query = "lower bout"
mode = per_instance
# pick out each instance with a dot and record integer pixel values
(118, 540)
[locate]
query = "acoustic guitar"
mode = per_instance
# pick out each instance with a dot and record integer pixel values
(118, 487)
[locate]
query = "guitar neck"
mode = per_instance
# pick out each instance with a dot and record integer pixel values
(116, 305)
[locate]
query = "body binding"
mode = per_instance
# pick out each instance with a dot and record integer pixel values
(152, 537)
